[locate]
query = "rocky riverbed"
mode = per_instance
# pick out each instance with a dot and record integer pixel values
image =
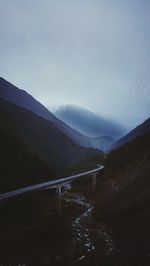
(87, 235)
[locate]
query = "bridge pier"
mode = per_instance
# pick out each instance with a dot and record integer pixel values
(59, 192)
(94, 179)
(58, 183)
(59, 199)
(59, 205)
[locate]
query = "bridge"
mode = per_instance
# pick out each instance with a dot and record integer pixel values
(57, 184)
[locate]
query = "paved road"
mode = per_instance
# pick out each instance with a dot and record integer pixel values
(48, 184)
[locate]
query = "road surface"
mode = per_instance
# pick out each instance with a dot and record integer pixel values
(49, 184)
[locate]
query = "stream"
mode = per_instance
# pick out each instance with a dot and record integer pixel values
(88, 236)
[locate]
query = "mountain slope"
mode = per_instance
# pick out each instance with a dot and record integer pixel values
(125, 199)
(139, 130)
(102, 143)
(20, 166)
(131, 151)
(87, 122)
(46, 140)
(21, 98)
(99, 132)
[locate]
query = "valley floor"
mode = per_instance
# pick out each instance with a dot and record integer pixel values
(107, 225)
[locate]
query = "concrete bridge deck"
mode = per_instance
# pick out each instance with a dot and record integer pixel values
(57, 183)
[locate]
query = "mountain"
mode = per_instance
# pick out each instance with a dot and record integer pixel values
(102, 143)
(99, 132)
(123, 200)
(139, 130)
(44, 138)
(20, 166)
(134, 150)
(87, 122)
(21, 98)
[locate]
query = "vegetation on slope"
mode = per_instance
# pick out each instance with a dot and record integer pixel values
(20, 166)
(47, 141)
(123, 200)
(129, 152)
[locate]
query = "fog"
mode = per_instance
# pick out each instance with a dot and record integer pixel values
(86, 52)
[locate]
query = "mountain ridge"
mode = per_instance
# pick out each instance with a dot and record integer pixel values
(19, 97)
(86, 121)
(20, 165)
(47, 140)
(137, 131)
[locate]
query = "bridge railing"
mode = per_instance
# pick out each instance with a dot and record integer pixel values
(59, 182)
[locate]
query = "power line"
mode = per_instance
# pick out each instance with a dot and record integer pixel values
(126, 106)
(138, 95)
(135, 91)
(140, 109)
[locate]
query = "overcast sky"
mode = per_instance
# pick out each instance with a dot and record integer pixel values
(85, 52)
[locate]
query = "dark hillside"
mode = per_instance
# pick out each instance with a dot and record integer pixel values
(48, 141)
(21, 98)
(129, 152)
(125, 199)
(139, 130)
(20, 166)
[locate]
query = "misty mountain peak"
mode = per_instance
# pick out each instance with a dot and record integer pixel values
(87, 122)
